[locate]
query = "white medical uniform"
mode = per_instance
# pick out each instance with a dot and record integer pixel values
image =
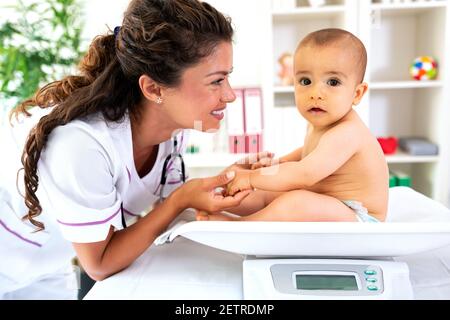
(87, 182)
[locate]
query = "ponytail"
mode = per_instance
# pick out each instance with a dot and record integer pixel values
(100, 88)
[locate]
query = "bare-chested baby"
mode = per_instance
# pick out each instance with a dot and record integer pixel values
(340, 173)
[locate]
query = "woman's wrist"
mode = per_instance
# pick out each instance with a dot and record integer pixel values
(178, 200)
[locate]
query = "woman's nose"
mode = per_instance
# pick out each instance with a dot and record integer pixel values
(228, 95)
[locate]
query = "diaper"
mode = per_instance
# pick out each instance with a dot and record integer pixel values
(361, 212)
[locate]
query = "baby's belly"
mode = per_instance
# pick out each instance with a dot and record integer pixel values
(372, 197)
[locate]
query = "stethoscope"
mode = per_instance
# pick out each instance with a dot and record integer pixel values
(182, 173)
(166, 169)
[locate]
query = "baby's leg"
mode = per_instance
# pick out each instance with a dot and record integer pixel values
(254, 202)
(298, 205)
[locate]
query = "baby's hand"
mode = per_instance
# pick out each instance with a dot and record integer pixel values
(240, 183)
(247, 162)
(265, 162)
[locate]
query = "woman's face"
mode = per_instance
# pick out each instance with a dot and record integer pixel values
(200, 100)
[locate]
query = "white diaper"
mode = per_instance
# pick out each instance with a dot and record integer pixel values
(362, 214)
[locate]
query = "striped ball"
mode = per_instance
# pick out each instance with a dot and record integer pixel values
(423, 68)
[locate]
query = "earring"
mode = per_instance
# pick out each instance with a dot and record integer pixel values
(159, 100)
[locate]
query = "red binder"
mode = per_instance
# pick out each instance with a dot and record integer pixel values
(245, 121)
(253, 120)
(236, 123)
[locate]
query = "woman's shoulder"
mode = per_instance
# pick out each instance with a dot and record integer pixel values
(84, 139)
(93, 130)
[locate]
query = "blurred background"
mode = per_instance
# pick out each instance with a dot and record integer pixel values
(407, 107)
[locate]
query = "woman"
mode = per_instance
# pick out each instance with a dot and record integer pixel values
(102, 141)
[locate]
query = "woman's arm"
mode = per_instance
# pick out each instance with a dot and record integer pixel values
(103, 259)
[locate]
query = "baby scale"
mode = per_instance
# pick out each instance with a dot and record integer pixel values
(317, 260)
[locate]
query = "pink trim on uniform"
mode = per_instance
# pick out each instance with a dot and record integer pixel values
(19, 236)
(85, 224)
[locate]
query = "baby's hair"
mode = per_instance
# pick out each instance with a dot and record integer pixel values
(333, 35)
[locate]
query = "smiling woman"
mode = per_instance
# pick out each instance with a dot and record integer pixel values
(95, 148)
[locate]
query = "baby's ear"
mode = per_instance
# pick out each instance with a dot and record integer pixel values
(360, 91)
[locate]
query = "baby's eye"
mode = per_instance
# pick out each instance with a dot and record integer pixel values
(305, 82)
(333, 82)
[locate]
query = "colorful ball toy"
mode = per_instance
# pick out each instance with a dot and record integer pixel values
(423, 68)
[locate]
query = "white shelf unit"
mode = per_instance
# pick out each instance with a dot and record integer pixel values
(396, 105)
(395, 34)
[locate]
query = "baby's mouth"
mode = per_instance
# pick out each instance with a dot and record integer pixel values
(316, 110)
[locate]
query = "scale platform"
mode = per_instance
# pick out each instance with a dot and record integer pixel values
(328, 260)
(316, 239)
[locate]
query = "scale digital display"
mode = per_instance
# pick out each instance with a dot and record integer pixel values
(326, 282)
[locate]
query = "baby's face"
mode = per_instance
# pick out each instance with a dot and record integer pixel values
(326, 83)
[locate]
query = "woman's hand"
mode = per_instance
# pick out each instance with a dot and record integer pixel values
(202, 194)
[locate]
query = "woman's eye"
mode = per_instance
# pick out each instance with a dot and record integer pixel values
(218, 82)
(305, 82)
(333, 82)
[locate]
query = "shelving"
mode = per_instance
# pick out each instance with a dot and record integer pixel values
(407, 8)
(398, 106)
(330, 11)
(394, 35)
(387, 85)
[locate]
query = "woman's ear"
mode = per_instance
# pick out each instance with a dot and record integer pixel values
(360, 91)
(150, 89)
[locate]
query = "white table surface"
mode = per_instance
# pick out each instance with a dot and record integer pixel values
(186, 270)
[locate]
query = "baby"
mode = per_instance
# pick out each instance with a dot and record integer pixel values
(340, 173)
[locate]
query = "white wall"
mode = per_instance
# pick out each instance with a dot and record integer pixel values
(248, 42)
(101, 15)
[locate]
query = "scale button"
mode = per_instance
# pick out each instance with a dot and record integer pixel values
(370, 272)
(372, 280)
(372, 288)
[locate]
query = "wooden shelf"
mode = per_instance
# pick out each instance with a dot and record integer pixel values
(380, 85)
(387, 85)
(402, 157)
(223, 160)
(283, 89)
(309, 12)
(407, 8)
(211, 160)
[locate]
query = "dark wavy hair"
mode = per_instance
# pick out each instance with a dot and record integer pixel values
(158, 38)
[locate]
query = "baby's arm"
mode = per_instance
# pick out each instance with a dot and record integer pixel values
(334, 149)
(295, 155)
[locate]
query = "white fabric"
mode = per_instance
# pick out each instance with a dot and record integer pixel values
(407, 205)
(179, 271)
(86, 172)
(63, 284)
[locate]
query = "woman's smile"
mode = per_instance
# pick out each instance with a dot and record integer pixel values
(218, 114)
